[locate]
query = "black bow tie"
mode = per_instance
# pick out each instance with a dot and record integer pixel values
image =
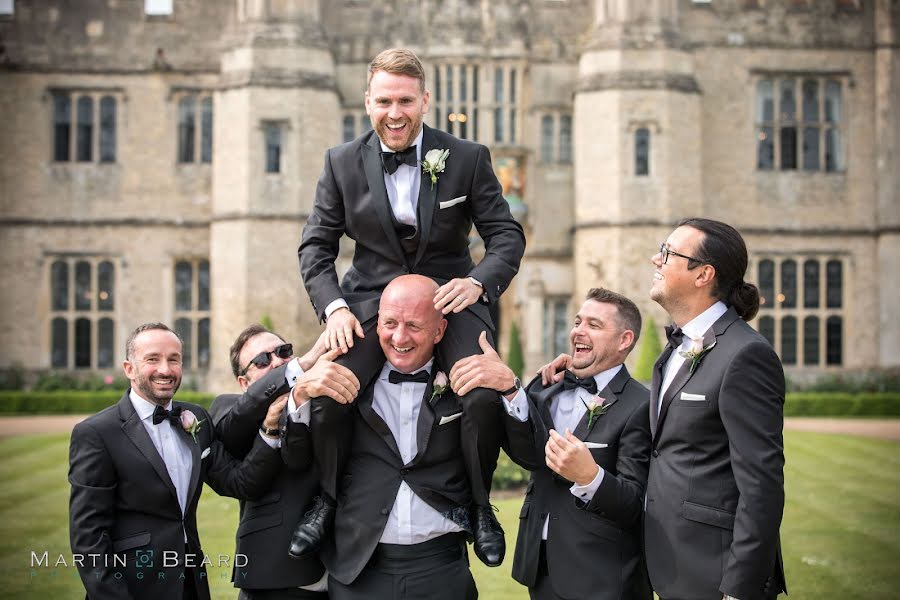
(675, 335)
(571, 381)
(160, 414)
(417, 377)
(392, 160)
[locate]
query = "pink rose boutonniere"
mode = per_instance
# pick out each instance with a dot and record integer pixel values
(441, 383)
(596, 406)
(190, 423)
(696, 352)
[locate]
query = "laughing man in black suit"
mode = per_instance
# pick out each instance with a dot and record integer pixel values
(408, 195)
(137, 470)
(579, 529)
(402, 504)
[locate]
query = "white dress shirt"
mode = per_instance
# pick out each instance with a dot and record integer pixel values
(412, 520)
(172, 447)
(403, 193)
(695, 328)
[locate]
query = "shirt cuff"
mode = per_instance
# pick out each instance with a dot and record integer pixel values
(484, 296)
(299, 414)
(273, 443)
(517, 408)
(334, 305)
(585, 493)
(293, 372)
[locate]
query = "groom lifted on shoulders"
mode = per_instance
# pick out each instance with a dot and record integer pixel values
(408, 195)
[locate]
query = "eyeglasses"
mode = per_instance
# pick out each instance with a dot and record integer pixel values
(264, 359)
(665, 252)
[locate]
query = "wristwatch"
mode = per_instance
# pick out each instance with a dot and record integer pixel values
(274, 432)
(517, 385)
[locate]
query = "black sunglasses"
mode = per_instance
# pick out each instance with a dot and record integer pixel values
(665, 252)
(264, 359)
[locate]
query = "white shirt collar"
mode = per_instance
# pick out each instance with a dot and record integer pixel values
(417, 142)
(604, 377)
(696, 327)
(144, 408)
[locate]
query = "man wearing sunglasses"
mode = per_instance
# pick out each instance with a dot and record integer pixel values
(265, 368)
(715, 491)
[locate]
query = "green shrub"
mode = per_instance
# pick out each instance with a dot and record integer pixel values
(12, 378)
(515, 360)
(72, 402)
(63, 381)
(858, 382)
(842, 404)
(649, 349)
(508, 474)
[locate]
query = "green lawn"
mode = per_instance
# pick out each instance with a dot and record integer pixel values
(841, 531)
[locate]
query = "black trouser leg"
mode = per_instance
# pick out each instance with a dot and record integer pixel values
(331, 425)
(481, 425)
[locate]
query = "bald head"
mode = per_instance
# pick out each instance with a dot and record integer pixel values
(408, 324)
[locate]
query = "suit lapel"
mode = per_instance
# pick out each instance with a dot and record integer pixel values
(427, 195)
(610, 393)
(542, 400)
(195, 458)
(655, 384)
(684, 373)
(137, 433)
(367, 412)
(425, 424)
(375, 177)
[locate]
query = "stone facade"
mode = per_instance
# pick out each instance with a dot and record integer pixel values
(559, 90)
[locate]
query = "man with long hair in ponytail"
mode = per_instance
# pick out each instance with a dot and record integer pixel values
(715, 492)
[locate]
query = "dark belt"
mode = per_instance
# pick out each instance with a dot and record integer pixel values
(402, 559)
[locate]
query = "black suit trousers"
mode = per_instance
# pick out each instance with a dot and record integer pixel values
(481, 425)
(434, 570)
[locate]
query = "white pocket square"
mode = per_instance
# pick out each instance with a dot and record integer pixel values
(204, 454)
(692, 397)
(596, 445)
(449, 203)
(449, 418)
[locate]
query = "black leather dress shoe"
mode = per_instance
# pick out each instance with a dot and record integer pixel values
(490, 544)
(311, 530)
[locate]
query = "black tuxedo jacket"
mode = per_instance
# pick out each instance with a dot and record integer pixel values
(351, 199)
(124, 503)
(368, 487)
(715, 494)
(593, 549)
(266, 524)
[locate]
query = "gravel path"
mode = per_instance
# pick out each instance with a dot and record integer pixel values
(888, 429)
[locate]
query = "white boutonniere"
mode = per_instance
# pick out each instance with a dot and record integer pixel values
(440, 386)
(596, 406)
(696, 352)
(190, 423)
(434, 163)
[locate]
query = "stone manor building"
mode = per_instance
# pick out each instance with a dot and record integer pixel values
(158, 159)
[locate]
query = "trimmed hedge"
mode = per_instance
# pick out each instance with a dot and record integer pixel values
(75, 402)
(841, 404)
(798, 404)
(508, 474)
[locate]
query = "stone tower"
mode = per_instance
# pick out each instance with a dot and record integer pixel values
(276, 109)
(637, 104)
(887, 124)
